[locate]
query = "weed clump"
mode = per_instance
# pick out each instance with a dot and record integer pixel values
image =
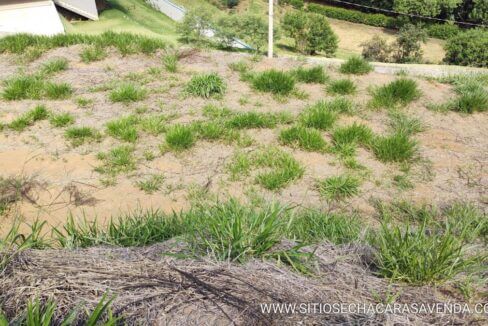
(356, 65)
(206, 85)
(339, 187)
(399, 92)
(397, 147)
(305, 138)
(124, 128)
(320, 116)
(274, 81)
(81, 135)
(127, 93)
(180, 137)
(310, 75)
(342, 87)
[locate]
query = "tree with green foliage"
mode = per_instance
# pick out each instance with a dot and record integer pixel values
(430, 8)
(194, 26)
(480, 11)
(311, 32)
(250, 28)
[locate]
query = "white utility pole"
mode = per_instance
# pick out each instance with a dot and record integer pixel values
(270, 29)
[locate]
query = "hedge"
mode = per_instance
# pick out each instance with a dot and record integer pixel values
(468, 48)
(441, 31)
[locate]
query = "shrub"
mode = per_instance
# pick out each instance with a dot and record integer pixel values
(397, 147)
(319, 116)
(311, 32)
(305, 138)
(206, 85)
(401, 91)
(310, 75)
(408, 44)
(127, 93)
(273, 81)
(297, 4)
(180, 137)
(443, 31)
(341, 86)
(353, 15)
(339, 187)
(377, 49)
(93, 53)
(355, 65)
(468, 48)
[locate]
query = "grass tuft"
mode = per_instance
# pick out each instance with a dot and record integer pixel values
(319, 116)
(127, 93)
(206, 86)
(342, 87)
(274, 81)
(61, 120)
(305, 138)
(399, 92)
(23, 87)
(81, 135)
(54, 91)
(40, 112)
(93, 53)
(310, 75)
(118, 160)
(397, 147)
(353, 134)
(356, 65)
(170, 62)
(124, 128)
(401, 123)
(55, 65)
(249, 120)
(151, 184)
(180, 137)
(339, 187)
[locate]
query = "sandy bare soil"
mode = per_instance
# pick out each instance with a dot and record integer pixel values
(453, 149)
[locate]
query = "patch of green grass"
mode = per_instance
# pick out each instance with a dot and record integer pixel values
(118, 160)
(39, 113)
(136, 229)
(406, 212)
(23, 87)
(420, 256)
(339, 187)
(248, 120)
(124, 128)
(54, 65)
(234, 232)
(154, 124)
(170, 62)
(215, 130)
(81, 135)
(402, 123)
(84, 102)
(180, 137)
(319, 116)
(61, 120)
(397, 147)
(472, 97)
(356, 65)
(342, 87)
(151, 184)
(93, 53)
(274, 81)
(353, 134)
(215, 112)
(312, 226)
(284, 168)
(305, 138)
(341, 104)
(128, 93)
(280, 167)
(240, 66)
(399, 92)
(206, 86)
(57, 91)
(310, 75)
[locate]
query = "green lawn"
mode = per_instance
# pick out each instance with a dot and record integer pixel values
(133, 16)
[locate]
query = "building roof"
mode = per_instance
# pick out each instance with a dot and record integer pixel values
(40, 17)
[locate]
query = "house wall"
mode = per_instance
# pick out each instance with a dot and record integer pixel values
(34, 17)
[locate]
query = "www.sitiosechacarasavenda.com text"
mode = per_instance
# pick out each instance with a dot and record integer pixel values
(380, 308)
